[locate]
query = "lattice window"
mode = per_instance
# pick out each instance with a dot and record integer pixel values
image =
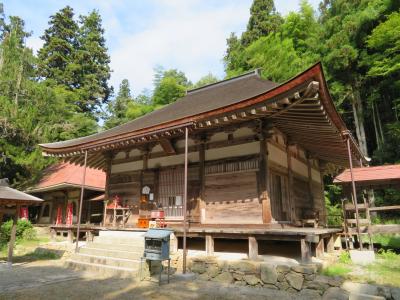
(170, 186)
(231, 166)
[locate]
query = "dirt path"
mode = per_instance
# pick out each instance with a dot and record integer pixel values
(50, 280)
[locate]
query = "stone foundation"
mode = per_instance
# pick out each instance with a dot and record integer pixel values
(304, 278)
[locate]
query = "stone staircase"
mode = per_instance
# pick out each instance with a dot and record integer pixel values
(112, 253)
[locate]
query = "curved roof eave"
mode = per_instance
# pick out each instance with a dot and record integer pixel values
(315, 72)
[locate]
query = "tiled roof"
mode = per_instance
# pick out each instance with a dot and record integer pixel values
(367, 174)
(66, 174)
(196, 101)
(12, 195)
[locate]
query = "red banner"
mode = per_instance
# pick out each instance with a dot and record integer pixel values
(59, 215)
(23, 214)
(70, 216)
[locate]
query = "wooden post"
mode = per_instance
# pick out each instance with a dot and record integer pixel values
(292, 208)
(173, 243)
(70, 236)
(108, 163)
(89, 236)
(320, 249)
(323, 205)
(81, 202)
(253, 248)
(53, 234)
(202, 178)
(209, 245)
(310, 187)
(354, 192)
(330, 245)
(12, 238)
(305, 250)
(1, 214)
(263, 176)
(185, 200)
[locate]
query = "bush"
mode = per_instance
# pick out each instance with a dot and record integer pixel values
(24, 230)
(29, 234)
(344, 257)
(334, 213)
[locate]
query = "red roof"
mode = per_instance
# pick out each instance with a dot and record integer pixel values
(382, 174)
(70, 175)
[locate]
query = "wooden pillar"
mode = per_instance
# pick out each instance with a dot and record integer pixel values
(209, 245)
(310, 182)
(330, 245)
(1, 214)
(263, 175)
(320, 249)
(108, 163)
(89, 211)
(305, 250)
(12, 238)
(292, 207)
(70, 236)
(202, 179)
(53, 234)
(89, 236)
(173, 245)
(321, 165)
(253, 248)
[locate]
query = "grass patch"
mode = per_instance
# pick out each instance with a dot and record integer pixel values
(385, 270)
(336, 270)
(38, 254)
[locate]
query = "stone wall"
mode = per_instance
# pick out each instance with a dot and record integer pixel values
(294, 278)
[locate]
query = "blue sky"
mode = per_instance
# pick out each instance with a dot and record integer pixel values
(185, 34)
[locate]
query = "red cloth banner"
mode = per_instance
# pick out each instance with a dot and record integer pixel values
(70, 215)
(23, 214)
(59, 215)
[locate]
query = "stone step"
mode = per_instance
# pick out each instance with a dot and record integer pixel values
(99, 251)
(105, 270)
(117, 246)
(118, 240)
(105, 260)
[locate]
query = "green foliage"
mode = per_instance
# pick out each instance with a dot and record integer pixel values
(74, 56)
(93, 63)
(33, 110)
(336, 270)
(387, 254)
(205, 80)
(391, 241)
(264, 20)
(385, 41)
(169, 86)
(24, 230)
(281, 53)
(56, 57)
(333, 205)
(344, 257)
(117, 108)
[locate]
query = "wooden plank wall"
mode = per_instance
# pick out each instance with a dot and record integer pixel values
(232, 199)
(301, 196)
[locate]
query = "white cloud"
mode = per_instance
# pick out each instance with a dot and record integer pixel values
(188, 37)
(35, 43)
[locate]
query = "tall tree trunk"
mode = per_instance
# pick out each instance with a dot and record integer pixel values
(359, 120)
(18, 85)
(380, 124)
(378, 140)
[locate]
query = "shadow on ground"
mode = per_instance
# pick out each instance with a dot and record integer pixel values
(53, 281)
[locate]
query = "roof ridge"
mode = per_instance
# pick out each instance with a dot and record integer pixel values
(224, 81)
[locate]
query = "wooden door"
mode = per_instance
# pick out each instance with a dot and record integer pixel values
(170, 191)
(279, 196)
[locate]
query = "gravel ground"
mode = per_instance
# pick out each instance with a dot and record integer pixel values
(50, 280)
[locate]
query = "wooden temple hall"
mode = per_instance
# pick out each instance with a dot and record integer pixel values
(241, 159)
